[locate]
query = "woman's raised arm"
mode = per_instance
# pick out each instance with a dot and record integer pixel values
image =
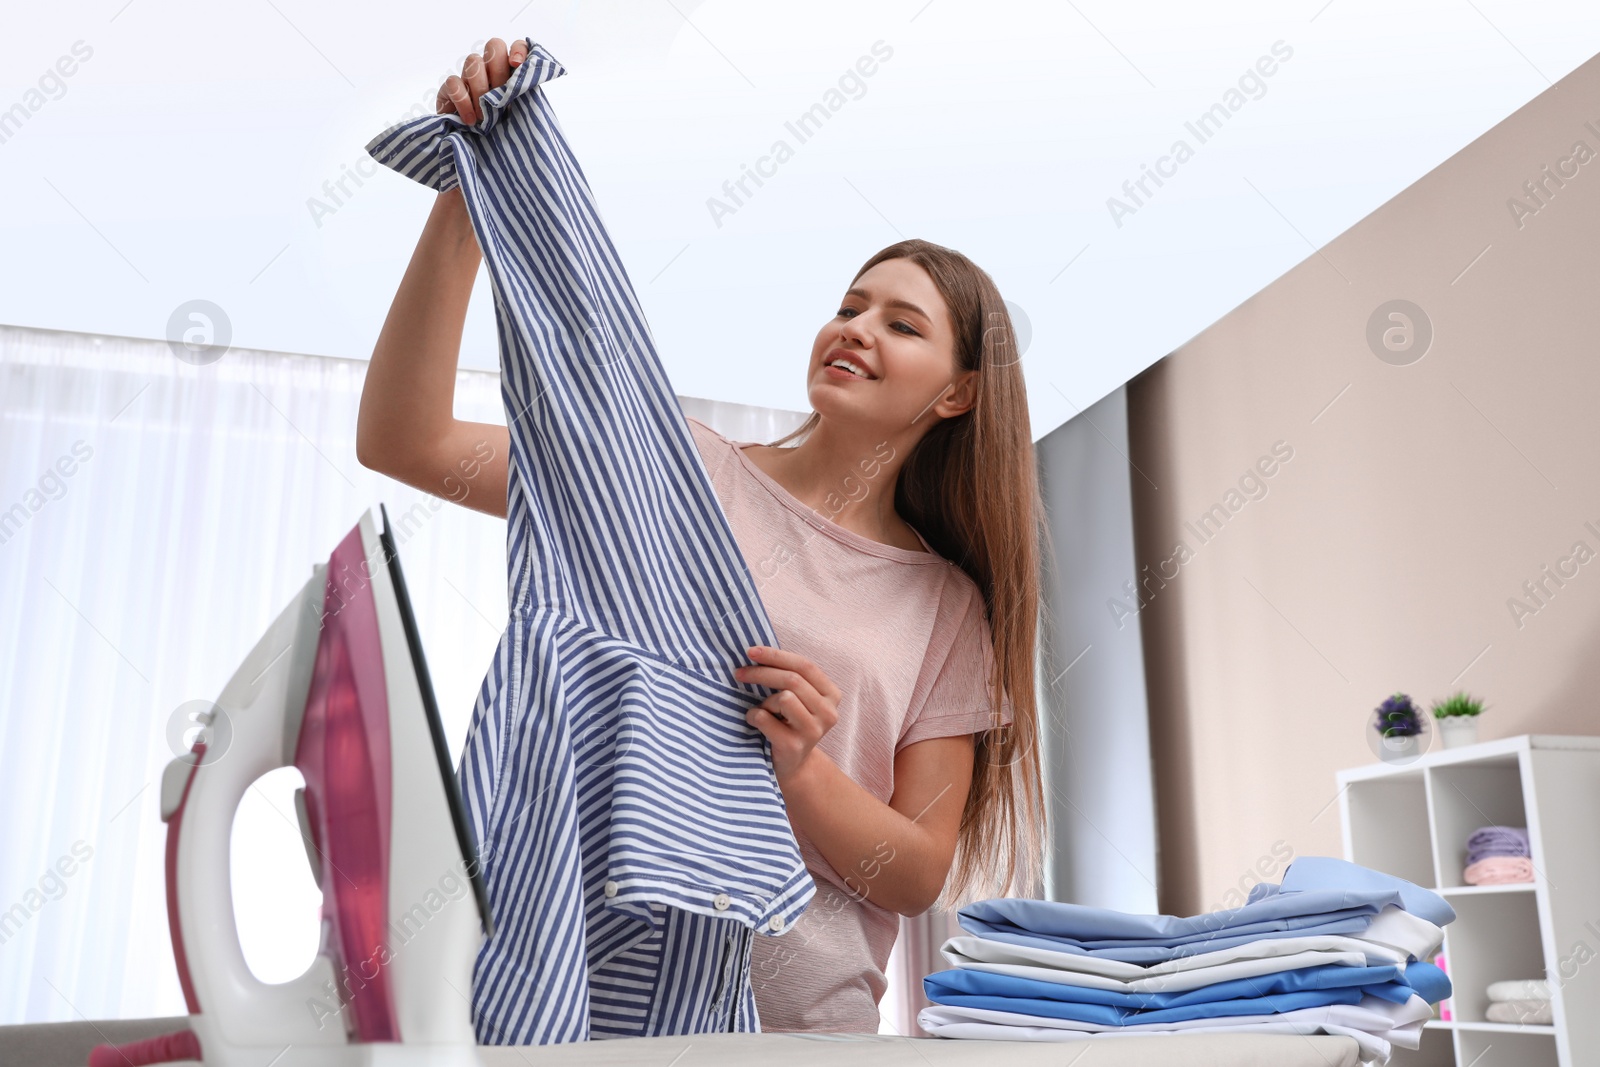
(407, 427)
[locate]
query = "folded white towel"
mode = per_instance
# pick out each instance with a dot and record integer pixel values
(1520, 989)
(1519, 1011)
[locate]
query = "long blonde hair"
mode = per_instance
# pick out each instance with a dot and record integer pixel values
(971, 488)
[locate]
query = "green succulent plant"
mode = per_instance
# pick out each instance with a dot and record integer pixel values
(1457, 705)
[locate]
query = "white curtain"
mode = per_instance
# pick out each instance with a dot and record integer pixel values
(155, 517)
(742, 422)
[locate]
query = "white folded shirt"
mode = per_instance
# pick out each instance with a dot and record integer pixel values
(1520, 989)
(1374, 1023)
(1192, 978)
(1373, 1014)
(1406, 932)
(965, 950)
(1375, 1049)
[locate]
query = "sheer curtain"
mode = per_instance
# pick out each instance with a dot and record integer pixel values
(155, 516)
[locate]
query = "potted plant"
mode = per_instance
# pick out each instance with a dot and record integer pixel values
(1458, 719)
(1400, 726)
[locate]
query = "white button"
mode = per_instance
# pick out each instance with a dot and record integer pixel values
(721, 902)
(775, 923)
(611, 889)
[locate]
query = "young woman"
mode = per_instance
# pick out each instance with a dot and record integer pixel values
(896, 549)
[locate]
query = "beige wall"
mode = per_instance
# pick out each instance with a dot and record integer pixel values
(1417, 501)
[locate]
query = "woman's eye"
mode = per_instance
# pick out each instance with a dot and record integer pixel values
(910, 330)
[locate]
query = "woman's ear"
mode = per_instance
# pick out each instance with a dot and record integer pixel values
(959, 397)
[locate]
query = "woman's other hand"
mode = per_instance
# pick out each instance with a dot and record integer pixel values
(479, 74)
(803, 706)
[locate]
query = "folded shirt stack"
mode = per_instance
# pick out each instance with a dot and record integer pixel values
(1335, 948)
(1519, 1000)
(1497, 855)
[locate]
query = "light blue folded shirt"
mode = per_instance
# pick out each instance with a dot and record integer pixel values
(1325, 872)
(1145, 953)
(1318, 895)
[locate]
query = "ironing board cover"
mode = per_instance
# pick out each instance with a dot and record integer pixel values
(633, 834)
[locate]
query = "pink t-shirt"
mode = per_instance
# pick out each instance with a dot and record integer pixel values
(903, 635)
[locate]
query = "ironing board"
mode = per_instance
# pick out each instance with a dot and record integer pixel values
(877, 1050)
(68, 1044)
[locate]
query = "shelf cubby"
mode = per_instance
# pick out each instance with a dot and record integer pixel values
(1465, 796)
(1437, 1049)
(1389, 821)
(1413, 819)
(1507, 1048)
(1495, 936)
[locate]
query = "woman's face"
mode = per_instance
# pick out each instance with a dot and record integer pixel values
(895, 327)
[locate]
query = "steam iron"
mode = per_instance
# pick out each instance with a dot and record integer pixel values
(338, 688)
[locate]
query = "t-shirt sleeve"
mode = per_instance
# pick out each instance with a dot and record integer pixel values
(958, 698)
(712, 445)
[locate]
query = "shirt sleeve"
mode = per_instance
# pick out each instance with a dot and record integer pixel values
(958, 700)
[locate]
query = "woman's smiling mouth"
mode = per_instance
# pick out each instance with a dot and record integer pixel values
(844, 364)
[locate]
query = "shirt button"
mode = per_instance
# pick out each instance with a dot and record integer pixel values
(775, 923)
(611, 889)
(721, 902)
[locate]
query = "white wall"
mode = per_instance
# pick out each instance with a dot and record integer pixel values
(206, 151)
(1411, 498)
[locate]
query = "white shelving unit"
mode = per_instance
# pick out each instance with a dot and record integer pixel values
(1413, 820)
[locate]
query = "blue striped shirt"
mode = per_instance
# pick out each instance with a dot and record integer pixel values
(634, 835)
